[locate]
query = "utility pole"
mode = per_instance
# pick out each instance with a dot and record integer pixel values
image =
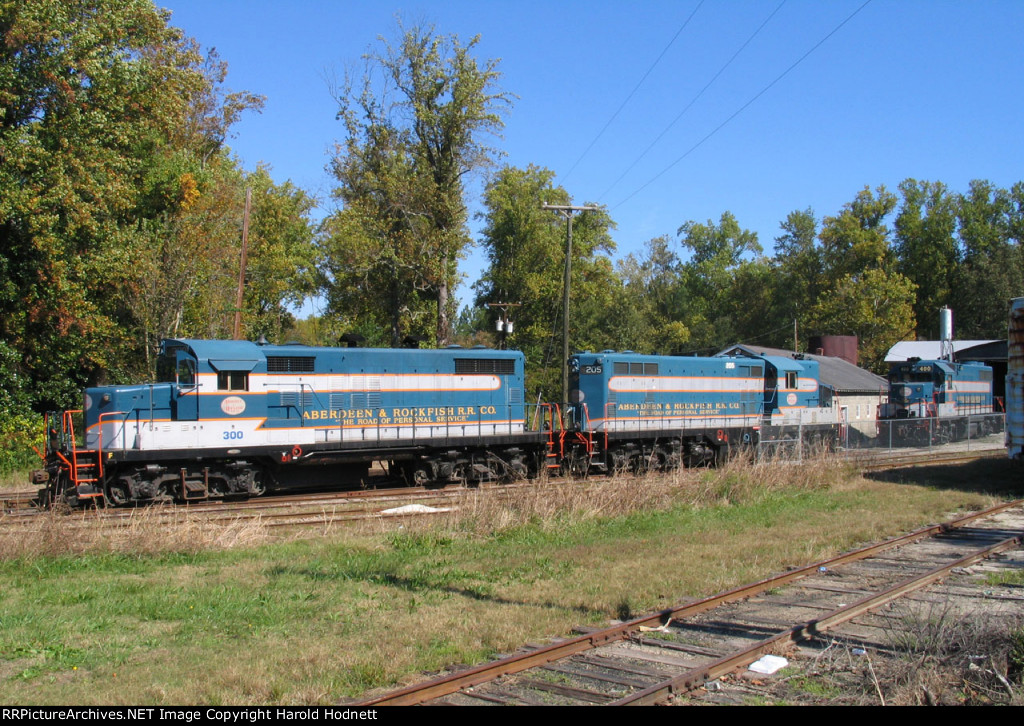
(566, 210)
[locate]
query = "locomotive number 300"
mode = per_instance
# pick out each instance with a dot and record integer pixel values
(232, 435)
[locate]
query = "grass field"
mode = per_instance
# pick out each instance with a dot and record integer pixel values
(233, 615)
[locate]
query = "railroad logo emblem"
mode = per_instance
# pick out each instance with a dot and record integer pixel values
(232, 405)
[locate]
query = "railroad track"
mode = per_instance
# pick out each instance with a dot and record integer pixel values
(24, 502)
(655, 658)
(937, 457)
(291, 510)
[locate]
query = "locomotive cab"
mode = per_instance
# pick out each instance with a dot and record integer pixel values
(928, 388)
(915, 388)
(940, 399)
(793, 393)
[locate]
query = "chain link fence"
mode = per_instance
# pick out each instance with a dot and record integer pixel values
(963, 433)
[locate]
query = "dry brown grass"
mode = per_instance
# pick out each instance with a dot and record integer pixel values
(933, 653)
(549, 504)
(948, 656)
(143, 531)
(546, 504)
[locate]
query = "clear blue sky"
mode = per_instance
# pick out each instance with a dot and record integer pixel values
(932, 90)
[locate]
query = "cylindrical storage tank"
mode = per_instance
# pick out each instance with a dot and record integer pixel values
(836, 346)
(945, 324)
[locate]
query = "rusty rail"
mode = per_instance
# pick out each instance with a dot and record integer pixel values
(486, 672)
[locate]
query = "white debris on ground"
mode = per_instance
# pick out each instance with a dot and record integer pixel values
(415, 509)
(769, 664)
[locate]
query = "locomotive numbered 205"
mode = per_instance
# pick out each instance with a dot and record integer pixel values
(639, 412)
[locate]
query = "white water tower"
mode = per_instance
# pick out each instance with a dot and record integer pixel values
(946, 334)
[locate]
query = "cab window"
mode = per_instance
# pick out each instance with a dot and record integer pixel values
(186, 372)
(165, 369)
(232, 381)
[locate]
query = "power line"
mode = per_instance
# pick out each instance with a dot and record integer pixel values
(633, 92)
(693, 100)
(746, 105)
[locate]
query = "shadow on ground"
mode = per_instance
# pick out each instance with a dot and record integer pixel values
(1001, 477)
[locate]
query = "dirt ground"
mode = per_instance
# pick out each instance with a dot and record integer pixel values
(960, 642)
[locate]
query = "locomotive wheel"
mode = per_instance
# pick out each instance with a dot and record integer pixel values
(419, 476)
(117, 492)
(519, 471)
(579, 465)
(259, 487)
(619, 460)
(657, 460)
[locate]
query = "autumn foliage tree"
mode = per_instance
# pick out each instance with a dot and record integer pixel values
(120, 206)
(414, 129)
(86, 92)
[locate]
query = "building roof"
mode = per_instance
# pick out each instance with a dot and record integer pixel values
(932, 349)
(842, 375)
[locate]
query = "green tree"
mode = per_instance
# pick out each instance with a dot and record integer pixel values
(649, 301)
(862, 293)
(857, 239)
(20, 427)
(876, 306)
(709, 299)
(798, 275)
(376, 248)
(751, 305)
(105, 116)
(414, 131)
(926, 249)
(281, 270)
(992, 259)
(186, 262)
(525, 247)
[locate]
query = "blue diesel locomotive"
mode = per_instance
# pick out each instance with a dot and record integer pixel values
(939, 399)
(237, 418)
(640, 412)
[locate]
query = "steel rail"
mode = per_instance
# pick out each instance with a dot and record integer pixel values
(695, 677)
(420, 693)
(897, 462)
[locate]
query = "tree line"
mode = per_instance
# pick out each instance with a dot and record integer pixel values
(121, 211)
(121, 205)
(880, 268)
